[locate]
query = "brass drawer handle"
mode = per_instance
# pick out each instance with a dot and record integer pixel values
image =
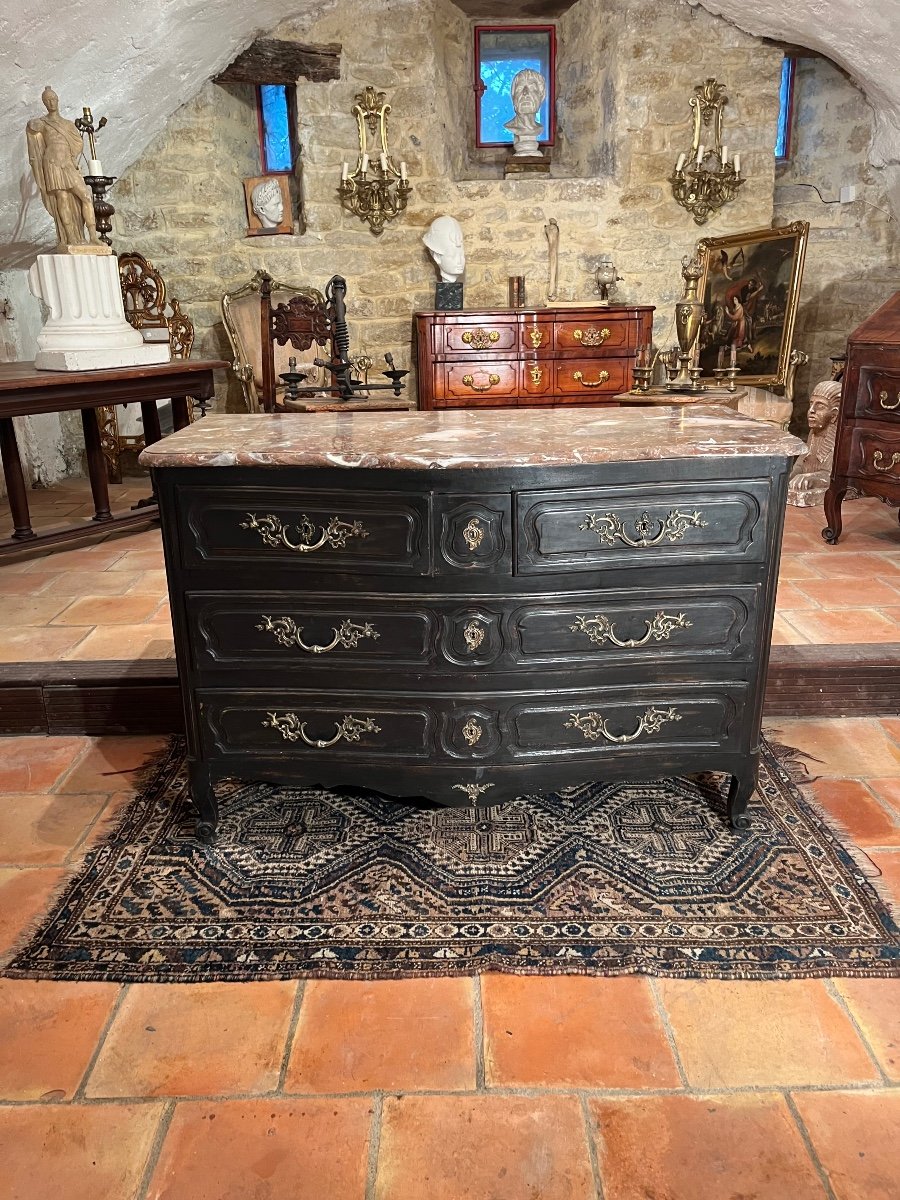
(472, 790)
(878, 458)
(480, 339)
(672, 527)
(601, 378)
(292, 729)
(600, 629)
(469, 381)
(275, 534)
(535, 336)
(882, 396)
(591, 336)
(287, 632)
(473, 534)
(593, 724)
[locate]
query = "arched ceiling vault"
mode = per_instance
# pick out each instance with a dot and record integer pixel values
(138, 62)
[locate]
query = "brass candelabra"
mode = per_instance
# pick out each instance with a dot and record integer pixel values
(381, 196)
(704, 179)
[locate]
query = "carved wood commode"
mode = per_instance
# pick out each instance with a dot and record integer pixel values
(534, 357)
(437, 605)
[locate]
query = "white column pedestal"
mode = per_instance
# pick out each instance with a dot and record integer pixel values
(86, 328)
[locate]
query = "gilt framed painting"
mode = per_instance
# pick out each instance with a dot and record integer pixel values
(750, 287)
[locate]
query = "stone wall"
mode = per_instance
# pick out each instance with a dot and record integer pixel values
(853, 256)
(182, 204)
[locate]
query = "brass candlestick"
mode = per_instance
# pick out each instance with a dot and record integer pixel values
(688, 319)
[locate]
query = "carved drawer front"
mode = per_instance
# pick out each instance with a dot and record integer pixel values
(878, 394)
(634, 721)
(596, 334)
(487, 335)
(284, 631)
(473, 535)
(643, 525)
(538, 377)
(586, 379)
(471, 637)
(479, 383)
(637, 626)
(318, 531)
(329, 727)
(470, 731)
(875, 454)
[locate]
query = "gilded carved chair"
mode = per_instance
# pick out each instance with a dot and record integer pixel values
(145, 300)
(268, 322)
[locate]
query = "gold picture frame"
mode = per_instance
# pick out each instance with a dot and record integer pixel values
(750, 288)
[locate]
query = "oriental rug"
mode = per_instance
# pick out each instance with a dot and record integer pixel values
(605, 879)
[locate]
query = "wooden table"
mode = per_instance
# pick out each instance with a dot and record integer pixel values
(25, 391)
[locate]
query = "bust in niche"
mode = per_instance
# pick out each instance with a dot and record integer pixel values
(811, 473)
(528, 92)
(268, 204)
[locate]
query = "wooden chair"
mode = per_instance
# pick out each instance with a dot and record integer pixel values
(269, 321)
(145, 301)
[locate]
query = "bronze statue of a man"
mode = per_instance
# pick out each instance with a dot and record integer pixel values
(54, 147)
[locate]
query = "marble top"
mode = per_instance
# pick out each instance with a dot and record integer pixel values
(468, 438)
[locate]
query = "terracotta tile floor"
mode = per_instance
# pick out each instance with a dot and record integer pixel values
(503, 1088)
(106, 600)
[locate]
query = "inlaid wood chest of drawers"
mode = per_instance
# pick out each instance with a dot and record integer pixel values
(432, 605)
(867, 444)
(494, 358)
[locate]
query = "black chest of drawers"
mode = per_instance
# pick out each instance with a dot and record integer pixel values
(472, 635)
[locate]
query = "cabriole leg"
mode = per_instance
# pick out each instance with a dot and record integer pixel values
(742, 788)
(204, 797)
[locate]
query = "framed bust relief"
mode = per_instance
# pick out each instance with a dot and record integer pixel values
(268, 200)
(750, 288)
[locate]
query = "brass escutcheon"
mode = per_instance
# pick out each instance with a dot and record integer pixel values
(473, 534)
(469, 381)
(472, 732)
(472, 790)
(535, 336)
(480, 339)
(591, 336)
(601, 378)
(536, 374)
(474, 635)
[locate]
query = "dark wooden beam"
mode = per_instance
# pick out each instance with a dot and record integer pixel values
(270, 60)
(532, 10)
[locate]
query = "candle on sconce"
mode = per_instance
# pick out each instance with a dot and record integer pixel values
(737, 164)
(403, 174)
(680, 163)
(382, 158)
(95, 167)
(345, 171)
(701, 150)
(724, 155)
(733, 362)
(720, 361)
(365, 163)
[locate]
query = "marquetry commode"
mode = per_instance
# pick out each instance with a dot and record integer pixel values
(441, 605)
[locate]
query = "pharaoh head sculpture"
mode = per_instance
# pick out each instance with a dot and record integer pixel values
(823, 405)
(444, 241)
(267, 203)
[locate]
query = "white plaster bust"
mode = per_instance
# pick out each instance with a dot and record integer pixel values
(811, 473)
(267, 203)
(444, 241)
(528, 92)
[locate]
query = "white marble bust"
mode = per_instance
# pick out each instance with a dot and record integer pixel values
(528, 92)
(267, 203)
(444, 241)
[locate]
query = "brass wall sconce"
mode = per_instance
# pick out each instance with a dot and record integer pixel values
(704, 179)
(383, 195)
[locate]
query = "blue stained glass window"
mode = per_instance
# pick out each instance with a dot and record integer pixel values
(785, 110)
(276, 134)
(502, 53)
